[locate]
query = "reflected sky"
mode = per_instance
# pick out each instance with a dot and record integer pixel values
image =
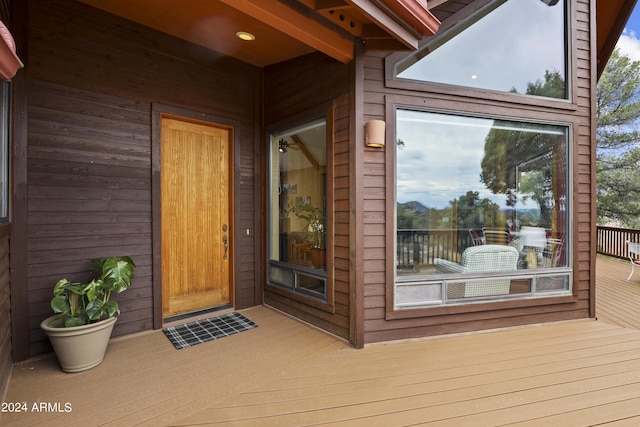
(508, 48)
(441, 156)
(440, 159)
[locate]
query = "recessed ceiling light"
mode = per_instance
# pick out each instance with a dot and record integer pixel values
(243, 35)
(474, 76)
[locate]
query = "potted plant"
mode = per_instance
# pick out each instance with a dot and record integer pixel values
(316, 220)
(85, 315)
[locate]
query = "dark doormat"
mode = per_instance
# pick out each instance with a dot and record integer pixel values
(200, 331)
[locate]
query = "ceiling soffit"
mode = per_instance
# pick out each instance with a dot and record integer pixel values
(283, 29)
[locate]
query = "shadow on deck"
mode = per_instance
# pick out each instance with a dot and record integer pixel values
(582, 372)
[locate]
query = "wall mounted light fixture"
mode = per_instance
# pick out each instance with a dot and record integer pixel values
(374, 133)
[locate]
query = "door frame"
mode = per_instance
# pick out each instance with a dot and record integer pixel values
(158, 112)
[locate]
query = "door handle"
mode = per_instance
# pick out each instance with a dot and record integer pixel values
(226, 246)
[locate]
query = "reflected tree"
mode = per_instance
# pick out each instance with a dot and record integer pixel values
(513, 156)
(473, 212)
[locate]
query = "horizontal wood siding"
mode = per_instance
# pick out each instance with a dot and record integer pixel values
(378, 282)
(93, 79)
(294, 90)
(5, 310)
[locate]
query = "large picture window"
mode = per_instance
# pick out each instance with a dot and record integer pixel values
(481, 209)
(298, 209)
(517, 46)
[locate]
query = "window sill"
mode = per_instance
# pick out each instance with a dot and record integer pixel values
(480, 306)
(301, 297)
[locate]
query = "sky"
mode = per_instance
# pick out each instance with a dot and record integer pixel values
(629, 42)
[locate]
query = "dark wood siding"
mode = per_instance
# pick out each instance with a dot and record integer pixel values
(378, 226)
(5, 310)
(6, 351)
(93, 82)
(295, 90)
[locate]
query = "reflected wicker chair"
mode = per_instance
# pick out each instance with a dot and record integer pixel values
(634, 256)
(483, 258)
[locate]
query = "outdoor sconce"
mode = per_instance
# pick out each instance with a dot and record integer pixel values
(374, 133)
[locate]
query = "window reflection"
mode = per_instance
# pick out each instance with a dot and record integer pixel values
(298, 227)
(477, 196)
(512, 46)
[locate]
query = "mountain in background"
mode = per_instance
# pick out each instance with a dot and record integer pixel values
(415, 206)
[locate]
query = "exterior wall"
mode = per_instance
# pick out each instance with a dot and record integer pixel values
(296, 90)
(5, 310)
(6, 358)
(379, 321)
(94, 80)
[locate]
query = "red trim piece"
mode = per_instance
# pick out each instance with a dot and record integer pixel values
(417, 14)
(9, 61)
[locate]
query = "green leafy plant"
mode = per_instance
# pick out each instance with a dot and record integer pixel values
(314, 216)
(81, 303)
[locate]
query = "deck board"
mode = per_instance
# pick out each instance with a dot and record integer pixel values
(569, 373)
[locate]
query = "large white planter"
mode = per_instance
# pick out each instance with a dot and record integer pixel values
(81, 347)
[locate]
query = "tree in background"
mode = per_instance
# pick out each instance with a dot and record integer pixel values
(618, 142)
(473, 212)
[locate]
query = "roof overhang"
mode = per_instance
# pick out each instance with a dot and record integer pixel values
(416, 13)
(9, 61)
(284, 28)
(289, 28)
(611, 18)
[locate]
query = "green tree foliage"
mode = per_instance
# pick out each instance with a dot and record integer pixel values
(408, 218)
(508, 153)
(617, 141)
(473, 212)
(552, 86)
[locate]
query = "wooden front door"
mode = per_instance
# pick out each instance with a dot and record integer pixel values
(196, 232)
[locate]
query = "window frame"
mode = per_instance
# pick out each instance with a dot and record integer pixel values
(396, 102)
(5, 153)
(293, 291)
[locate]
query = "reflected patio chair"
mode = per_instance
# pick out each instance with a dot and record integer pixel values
(634, 256)
(553, 253)
(476, 237)
(496, 237)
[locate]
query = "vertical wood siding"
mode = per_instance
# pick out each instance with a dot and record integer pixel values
(93, 79)
(378, 281)
(293, 91)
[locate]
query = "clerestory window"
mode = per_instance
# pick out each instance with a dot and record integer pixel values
(517, 46)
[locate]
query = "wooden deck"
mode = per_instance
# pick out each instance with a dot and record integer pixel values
(285, 373)
(617, 301)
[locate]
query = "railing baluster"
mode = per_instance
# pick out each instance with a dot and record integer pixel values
(612, 241)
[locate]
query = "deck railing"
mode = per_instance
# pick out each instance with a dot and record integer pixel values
(422, 246)
(612, 241)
